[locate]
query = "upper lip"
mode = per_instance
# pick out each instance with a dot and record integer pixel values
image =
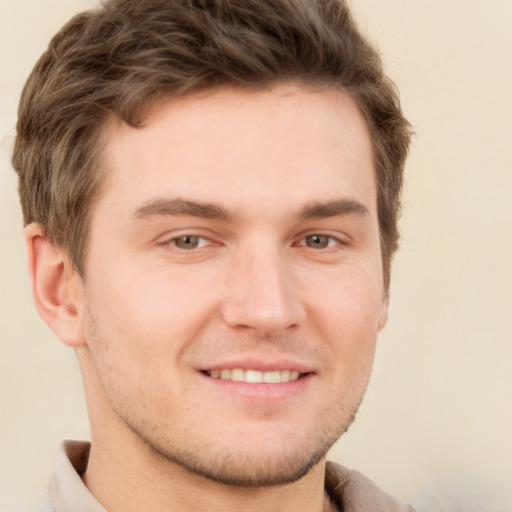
(262, 365)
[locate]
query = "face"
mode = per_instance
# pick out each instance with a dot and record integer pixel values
(233, 288)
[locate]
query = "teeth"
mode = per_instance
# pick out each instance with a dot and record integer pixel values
(285, 375)
(255, 376)
(237, 375)
(272, 377)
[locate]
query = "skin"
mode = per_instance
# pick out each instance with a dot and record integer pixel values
(236, 229)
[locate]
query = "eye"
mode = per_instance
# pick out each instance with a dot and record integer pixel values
(188, 242)
(317, 241)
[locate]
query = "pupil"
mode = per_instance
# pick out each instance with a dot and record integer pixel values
(318, 241)
(187, 242)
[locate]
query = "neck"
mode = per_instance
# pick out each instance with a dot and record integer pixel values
(128, 477)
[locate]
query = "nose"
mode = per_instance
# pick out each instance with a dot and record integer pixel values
(262, 294)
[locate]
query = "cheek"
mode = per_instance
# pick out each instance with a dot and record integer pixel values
(349, 317)
(353, 304)
(149, 312)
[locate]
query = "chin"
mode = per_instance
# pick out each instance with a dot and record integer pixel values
(257, 463)
(249, 471)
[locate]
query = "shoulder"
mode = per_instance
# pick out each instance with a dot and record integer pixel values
(352, 492)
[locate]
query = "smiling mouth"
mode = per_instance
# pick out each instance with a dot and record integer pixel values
(255, 376)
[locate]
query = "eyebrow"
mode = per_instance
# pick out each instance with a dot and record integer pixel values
(337, 207)
(160, 207)
(316, 210)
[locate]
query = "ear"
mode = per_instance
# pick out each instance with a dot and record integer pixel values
(383, 318)
(57, 288)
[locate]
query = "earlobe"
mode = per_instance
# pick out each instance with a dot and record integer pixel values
(383, 319)
(56, 288)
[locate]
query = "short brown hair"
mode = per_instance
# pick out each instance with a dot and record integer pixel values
(118, 59)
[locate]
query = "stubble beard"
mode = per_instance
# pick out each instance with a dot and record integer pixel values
(262, 467)
(242, 469)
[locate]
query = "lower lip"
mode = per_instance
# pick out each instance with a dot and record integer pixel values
(262, 392)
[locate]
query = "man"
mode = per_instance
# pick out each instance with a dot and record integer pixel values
(210, 191)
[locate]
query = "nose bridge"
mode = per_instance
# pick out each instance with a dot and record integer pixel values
(261, 292)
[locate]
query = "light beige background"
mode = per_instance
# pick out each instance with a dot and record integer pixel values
(437, 419)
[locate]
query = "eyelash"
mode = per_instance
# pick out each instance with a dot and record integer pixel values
(331, 241)
(174, 241)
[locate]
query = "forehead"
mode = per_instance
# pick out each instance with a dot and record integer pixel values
(283, 145)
